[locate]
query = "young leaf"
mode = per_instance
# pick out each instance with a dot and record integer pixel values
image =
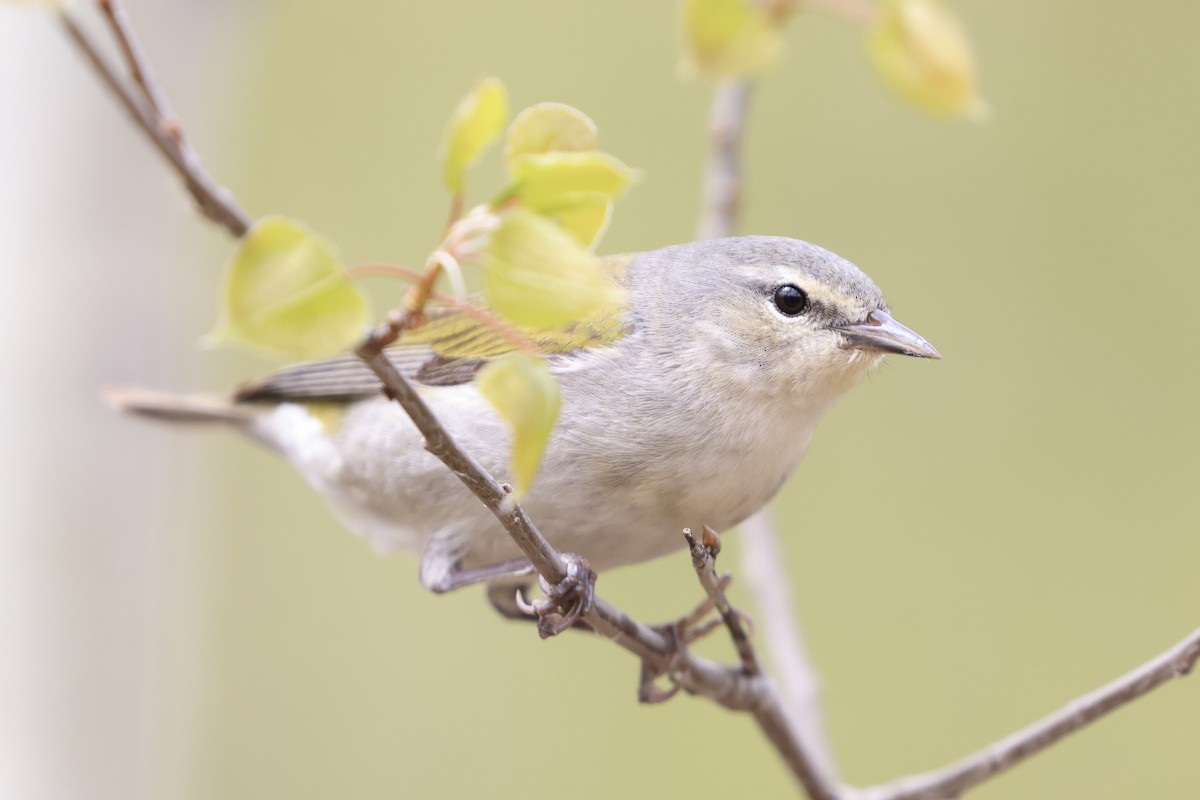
(548, 180)
(728, 38)
(585, 217)
(523, 391)
(549, 127)
(922, 53)
(286, 293)
(475, 124)
(537, 276)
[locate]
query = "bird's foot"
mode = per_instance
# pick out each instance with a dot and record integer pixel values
(564, 603)
(649, 690)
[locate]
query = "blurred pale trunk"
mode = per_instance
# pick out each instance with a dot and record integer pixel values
(94, 521)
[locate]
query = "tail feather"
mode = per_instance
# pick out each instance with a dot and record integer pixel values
(174, 407)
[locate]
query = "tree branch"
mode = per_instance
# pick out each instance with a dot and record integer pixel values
(212, 200)
(722, 194)
(768, 582)
(765, 573)
(1005, 754)
(704, 561)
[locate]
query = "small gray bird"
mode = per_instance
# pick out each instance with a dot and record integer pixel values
(691, 410)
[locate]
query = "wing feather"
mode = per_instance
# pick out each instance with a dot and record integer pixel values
(447, 350)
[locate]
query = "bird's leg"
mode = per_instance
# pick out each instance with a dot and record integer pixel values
(561, 606)
(649, 692)
(511, 601)
(457, 577)
(563, 603)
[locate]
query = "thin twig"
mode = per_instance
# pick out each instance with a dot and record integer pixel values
(213, 201)
(139, 66)
(766, 575)
(480, 315)
(721, 205)
(437, 441)
(1005, 754)
(729, 687)
(704, 560)
(722, 193)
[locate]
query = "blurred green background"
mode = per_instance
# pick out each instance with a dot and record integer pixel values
(973, 542)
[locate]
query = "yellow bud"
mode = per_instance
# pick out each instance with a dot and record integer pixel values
(922, 53)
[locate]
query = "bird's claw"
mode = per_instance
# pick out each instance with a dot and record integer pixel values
(562, 604)
(649, 690)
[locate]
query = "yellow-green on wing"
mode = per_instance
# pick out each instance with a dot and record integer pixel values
(447, 350)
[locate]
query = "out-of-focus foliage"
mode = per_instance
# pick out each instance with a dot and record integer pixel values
(921, 52)
(728, 38)
(534, 242)
(537, 276)
(286, 293)
(550, 127)
(551, 159)
(476, 123)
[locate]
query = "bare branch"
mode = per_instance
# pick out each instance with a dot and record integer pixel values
(728, 687)
(722, 195)
(213, 201)
(1012, 750)
(765, 574)
(437, 441)
(139, 67)
(721, 205)
(704, 560)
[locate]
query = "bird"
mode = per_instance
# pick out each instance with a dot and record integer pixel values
(689, 409)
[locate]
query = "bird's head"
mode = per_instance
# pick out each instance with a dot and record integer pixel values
(769, 314)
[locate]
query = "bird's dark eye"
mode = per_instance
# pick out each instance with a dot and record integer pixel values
(790, 300)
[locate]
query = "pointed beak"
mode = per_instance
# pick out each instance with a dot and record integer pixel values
(882, 333)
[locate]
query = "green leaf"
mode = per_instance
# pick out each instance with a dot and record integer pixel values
(585, 217)
(549, 127)
(523, 391)
(545, 181)
(537, 276)
(923, 54)
(286, 293)
(729, 38)
(474, 125)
